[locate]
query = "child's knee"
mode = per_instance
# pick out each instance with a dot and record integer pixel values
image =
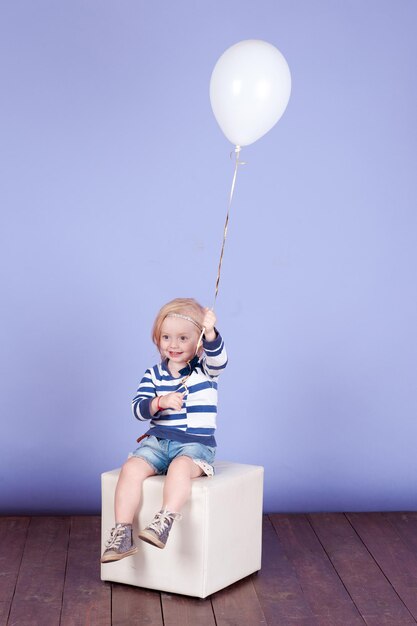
(137, 468)
(186, 465)
(181, 462)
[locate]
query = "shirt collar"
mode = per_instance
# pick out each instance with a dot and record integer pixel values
(188, 369)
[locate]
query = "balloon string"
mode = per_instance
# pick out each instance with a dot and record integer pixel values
(226, 224)
(199, 342)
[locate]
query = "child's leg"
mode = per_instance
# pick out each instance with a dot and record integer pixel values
(126, 503)
(129, 489)
(177, 487)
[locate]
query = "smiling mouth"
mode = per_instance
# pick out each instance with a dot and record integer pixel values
(171, 353)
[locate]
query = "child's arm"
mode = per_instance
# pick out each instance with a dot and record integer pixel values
(146, 403)
(145, 397)
(209, 323)
(215, 352)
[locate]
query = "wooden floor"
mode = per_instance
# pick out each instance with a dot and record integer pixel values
(318, 569)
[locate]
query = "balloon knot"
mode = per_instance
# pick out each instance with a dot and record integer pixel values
(236, 154)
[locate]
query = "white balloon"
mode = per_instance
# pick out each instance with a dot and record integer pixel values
(249, 90)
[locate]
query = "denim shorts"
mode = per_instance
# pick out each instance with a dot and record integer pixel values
(160, 452)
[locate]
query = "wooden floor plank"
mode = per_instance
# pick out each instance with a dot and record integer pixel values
(238, 605)
(86, 600)
(13, 532)
(134, 606)
(277, 586)
(186, 611)
(372, 593)
(4, 612)
(322, 588)
(405, 524)
(38, 596)
(394, 557)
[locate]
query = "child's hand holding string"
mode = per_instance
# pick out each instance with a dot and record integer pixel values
(209, 323)
(172, 401)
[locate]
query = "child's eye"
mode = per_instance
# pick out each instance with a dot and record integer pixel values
(165, 337)
(183, 338)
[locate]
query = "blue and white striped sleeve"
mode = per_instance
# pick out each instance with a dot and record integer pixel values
(215, 359)
(143, 398)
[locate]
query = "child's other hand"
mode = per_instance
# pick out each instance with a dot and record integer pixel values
(172, 401)
(209, 323)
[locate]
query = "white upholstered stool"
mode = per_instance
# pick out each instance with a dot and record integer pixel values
(217, 541)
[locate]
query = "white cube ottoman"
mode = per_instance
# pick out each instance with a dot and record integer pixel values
(217, 541)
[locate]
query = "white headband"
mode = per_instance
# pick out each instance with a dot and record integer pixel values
(185, 317)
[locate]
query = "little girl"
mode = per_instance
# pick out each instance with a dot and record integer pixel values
(179, 397)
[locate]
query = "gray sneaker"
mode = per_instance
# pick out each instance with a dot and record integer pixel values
(158, 530)
(120, 544)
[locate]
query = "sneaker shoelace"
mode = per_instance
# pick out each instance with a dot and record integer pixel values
(116, 537)
(162, 520)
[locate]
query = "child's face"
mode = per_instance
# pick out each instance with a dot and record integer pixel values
(178, 340)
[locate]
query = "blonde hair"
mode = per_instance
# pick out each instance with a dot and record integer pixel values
(182, 306)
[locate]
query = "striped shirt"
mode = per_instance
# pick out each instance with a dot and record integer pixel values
(197, 419)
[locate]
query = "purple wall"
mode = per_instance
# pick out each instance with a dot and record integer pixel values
(112, 159)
